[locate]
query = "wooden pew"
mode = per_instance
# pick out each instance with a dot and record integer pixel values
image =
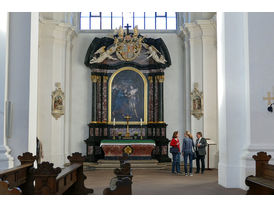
(121, 184)
(54, 181)
(5, 189)
(263, 182)
(20, 176)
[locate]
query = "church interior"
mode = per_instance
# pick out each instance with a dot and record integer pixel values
(93, 98)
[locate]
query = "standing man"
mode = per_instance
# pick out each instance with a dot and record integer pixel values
(201, 151)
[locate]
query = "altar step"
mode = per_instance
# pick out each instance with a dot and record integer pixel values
(135, 164)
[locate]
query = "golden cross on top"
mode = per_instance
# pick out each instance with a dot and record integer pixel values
(268, 98)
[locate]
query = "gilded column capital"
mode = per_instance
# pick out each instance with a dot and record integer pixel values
(160, 78)
(105, 79)
(150, 79)
(94, 78)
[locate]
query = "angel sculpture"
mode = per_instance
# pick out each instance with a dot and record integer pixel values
(153, 52)
(104, 54)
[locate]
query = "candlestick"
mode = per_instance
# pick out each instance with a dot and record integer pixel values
(141, 121)
(114, 122)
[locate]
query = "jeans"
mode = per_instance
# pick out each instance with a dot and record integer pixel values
(175, 162)
(202, 158)
(186, 155)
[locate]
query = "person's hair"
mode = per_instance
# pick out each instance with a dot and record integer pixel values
(175, 134)
(200, 133)
(189, 134)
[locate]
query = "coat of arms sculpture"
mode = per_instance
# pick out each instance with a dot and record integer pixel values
(127, 47)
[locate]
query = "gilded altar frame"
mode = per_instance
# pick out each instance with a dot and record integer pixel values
(110, 96)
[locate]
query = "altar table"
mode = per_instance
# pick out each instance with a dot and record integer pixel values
(136, 149)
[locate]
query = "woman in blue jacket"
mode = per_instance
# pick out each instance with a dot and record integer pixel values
(188, 144)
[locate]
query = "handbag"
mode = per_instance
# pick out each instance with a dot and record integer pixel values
(194, 153)
(174, 150)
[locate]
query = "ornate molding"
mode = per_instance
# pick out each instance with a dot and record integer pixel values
(105, 79)
(94, 78)
(160, 78)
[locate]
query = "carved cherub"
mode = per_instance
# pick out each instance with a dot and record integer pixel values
(153, 52)
(104, 54)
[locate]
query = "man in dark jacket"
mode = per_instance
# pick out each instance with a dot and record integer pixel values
(201, 151)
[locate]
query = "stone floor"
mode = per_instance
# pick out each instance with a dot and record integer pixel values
(162, 182)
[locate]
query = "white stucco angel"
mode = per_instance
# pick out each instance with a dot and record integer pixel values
(153, 52)
(104, 54)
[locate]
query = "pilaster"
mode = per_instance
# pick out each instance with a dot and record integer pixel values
(194, 34)
(6, 160)
(209, 47)
(55, 48)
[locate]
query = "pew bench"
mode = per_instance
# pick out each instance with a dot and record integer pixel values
(20, 176)
(5, 189)
(122, 183)
(68, 181)
(263, 182)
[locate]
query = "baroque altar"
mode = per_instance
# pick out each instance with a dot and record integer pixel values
(127, 74)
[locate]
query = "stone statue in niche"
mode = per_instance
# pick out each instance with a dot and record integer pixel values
(197, 102)
(57, 105)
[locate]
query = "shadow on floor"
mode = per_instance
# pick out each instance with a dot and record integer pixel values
(163, 182)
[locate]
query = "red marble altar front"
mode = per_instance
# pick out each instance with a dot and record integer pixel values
(135, 150)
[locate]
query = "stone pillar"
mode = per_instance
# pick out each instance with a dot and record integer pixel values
(195, 67)
(209, 47)
(187, 77)
(94, 79)
(161, 79)
(150, 99)
(156, 100)
(6, 161)
(104, 99)
(55, 47)
(233, 99)
(200, 68)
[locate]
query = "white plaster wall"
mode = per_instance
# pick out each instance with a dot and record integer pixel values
(18, 81)
(81, 88)
(261, 46)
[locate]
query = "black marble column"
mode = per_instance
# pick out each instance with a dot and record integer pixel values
(94, 79)
(161, 97)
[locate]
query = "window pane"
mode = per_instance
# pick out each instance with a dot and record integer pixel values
(85, 14)
(150, 23)
(140, 22)
(171, 14)
(171, 23)
(128, 19)
(84, 23)
(139, 14)
(95, 13)
(106, 20)
(116, 20)
(161, 23)
(161, 13)
(95, 23)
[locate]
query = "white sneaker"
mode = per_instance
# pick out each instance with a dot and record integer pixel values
(191, 174)
(186, 174)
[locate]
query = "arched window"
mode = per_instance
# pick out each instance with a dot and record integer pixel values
(112, 20)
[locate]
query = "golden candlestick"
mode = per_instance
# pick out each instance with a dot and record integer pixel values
(127, 117)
